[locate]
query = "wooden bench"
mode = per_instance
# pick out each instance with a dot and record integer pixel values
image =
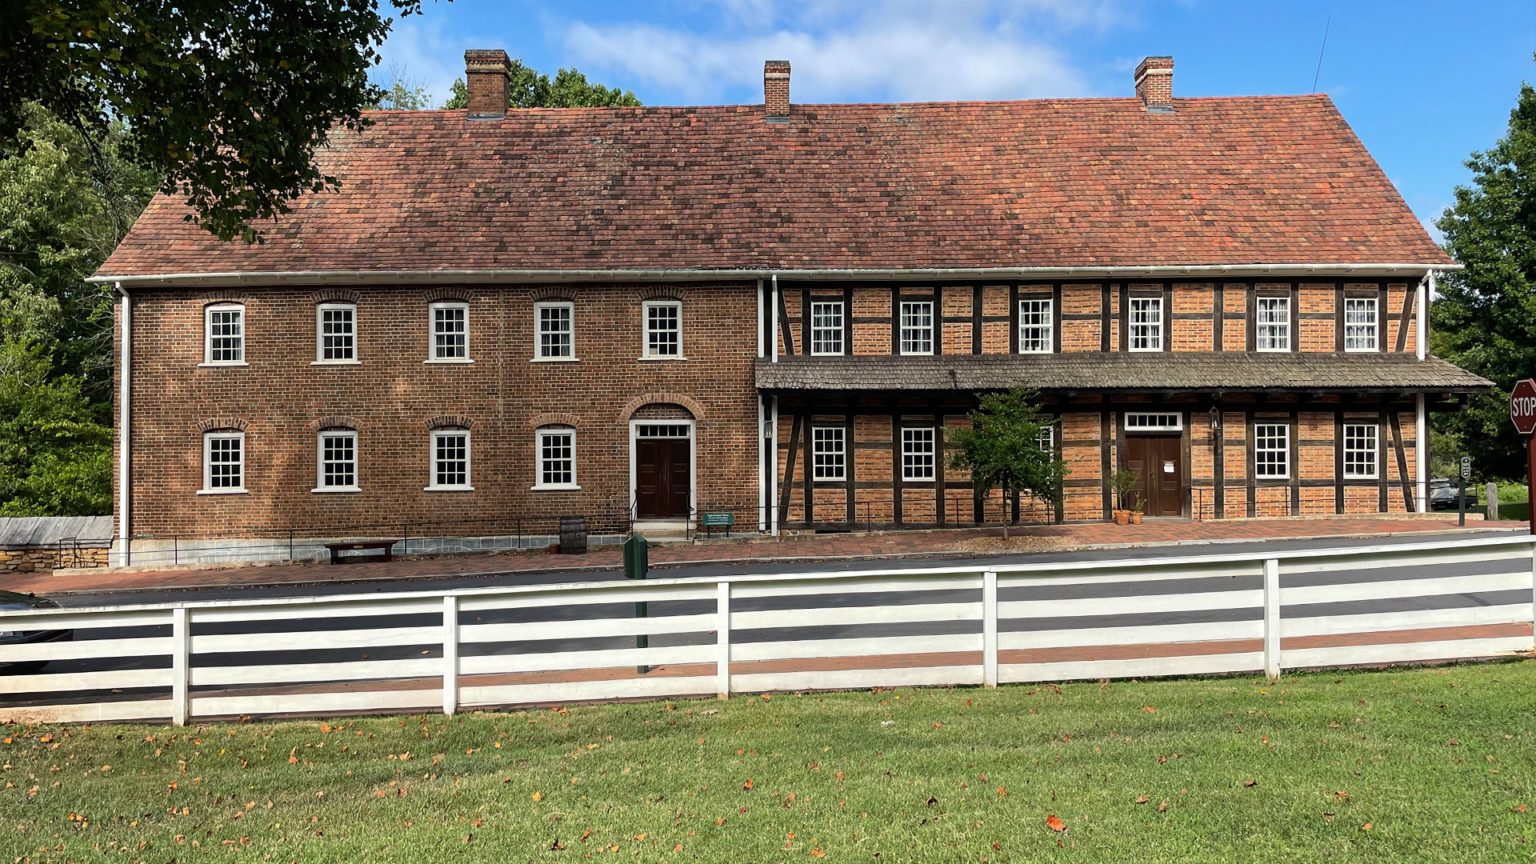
(387, 546)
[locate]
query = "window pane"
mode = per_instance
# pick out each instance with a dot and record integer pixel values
(338, 460)
(450, 332)
(663, 330)
(337, 333)
(1360, 324)
(557, 458)
(828, 453)
(450, 459)
(1274, 324)
(1146, 324)
(226, 462)
(1272, 448)
(1035, 326)
(917, 462)
(1360, 450)
(555, 331)
(917, 327)
(826, 328)
(226, 335)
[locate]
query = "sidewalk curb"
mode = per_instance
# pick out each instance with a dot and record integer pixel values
(797, 559)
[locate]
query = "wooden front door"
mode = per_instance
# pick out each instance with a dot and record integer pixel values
(662, 478)
(1157, 461)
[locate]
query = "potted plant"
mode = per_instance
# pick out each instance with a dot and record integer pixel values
(1121, 483)
(1136, 512)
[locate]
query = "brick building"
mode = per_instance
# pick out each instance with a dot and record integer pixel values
(778, 310)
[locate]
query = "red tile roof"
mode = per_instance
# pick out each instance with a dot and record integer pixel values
(1044, 183)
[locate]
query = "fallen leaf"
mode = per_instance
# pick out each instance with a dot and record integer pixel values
(1055, 824)
(1366, 827)
(1163, 807)
(747, 785)
(1150, 710)
(538, 796)
(1143, 799)
(1520, 809)
(1250, 783)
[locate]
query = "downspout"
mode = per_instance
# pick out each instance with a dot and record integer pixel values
(773, 337)
(762, 481)
(773, 466)
(124, 429)
(1421, 459)
(1426, 291)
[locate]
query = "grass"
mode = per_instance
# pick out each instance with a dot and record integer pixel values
(1513, 502)
(1402, 764)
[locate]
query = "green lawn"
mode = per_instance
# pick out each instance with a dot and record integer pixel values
(1405, 764)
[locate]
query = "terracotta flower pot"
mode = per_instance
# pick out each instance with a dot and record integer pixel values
(1135, 518)
(1122, 517)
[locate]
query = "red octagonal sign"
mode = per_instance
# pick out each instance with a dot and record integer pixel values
(1522, 406)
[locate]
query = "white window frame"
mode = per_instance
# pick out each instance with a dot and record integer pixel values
(1153, 421)
(432, 484)
(1042, 334)
(818, 331)
(911, 306)
(208, 313)
(1262, 433)
(645, 329)
(538, 457)
(321, 484)
(222, 435)
(1278, 339)
(829, 443)
(1046, 439)
(1352, 446)
(913, 435)
(320, 358)
(538, 331)
(432, 333)
(1138, 329)
(1369, 332)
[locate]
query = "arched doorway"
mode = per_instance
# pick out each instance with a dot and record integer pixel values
(662, 463)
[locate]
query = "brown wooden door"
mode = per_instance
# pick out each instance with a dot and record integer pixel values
(662, 478)
(1157, 461)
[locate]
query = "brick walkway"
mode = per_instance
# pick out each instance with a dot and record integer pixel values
(938, 544)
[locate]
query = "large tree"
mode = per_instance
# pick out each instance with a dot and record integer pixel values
(1007, 448)
(569, 88)
(1485, 317)
(227, 99)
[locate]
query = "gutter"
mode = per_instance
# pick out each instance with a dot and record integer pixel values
(460, 277)
(124, 427)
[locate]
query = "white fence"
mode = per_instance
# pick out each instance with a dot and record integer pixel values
(1473, 597)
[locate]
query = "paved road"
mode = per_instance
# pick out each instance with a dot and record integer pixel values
(284, 643)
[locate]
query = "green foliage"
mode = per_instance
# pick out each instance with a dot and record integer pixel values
(228, 100)
(404, 93)
(1485, 316)
(55, 458)
(532, 89)
(1002, 448)
(1122, 483)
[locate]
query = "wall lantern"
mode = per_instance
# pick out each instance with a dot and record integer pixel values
(1215, 418)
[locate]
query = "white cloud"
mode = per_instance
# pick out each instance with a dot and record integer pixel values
(904, 50)
(421, 49)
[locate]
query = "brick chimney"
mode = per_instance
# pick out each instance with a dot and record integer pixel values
(487, 77)
(1154, 83)
(776, 90)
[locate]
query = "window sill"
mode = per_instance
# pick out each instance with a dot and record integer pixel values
(916, 354)
(241, 491)
(1362, 351)
(336, 363)
(918, 480)
(449, 489)
(221, 365)
(329, 490)
(446, 361)
(1040, 351)
(828, 354)
(1285, 350)
(1371, 477)
(554, 360)
(554, 487)
(1145, 351)
(661, 358)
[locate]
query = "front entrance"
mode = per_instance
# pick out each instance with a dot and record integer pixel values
(1157, 461)
(663, 470)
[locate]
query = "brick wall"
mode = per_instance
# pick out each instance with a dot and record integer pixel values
(391, 397)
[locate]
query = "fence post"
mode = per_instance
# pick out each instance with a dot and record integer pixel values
(723, 640)
(450, 654)
(989, 628)
(1272, 618)
(181, 648)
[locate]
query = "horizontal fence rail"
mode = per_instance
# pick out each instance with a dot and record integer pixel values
(492, 647)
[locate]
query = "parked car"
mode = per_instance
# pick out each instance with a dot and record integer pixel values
(10, 601)
(1442, 494)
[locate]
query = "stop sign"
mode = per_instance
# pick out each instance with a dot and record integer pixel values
(1522, 406)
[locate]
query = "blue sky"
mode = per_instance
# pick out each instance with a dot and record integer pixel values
(1423, 84)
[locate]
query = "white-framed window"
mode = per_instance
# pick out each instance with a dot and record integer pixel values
(450, 460)
(556, 457)
(336, 461)
(336, 333)
(829, 453)
(1046, 438)
(1272, 451)
(663, 328)
(917, 326)
(917, 454)
(1035, 326)
(1362, 442)
(554, 330)
(224, 335)
(1142, 421)
(1146, 324)
(1272, 329)
(826, 327)
(450, 332)
(223, 462)
(1360, 324)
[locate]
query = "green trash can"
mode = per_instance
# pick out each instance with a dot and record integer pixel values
(636, 562)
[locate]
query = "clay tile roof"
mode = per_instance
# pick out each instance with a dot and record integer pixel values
(1041, 183)
(1205, 371)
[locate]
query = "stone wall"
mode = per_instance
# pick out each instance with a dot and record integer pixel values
(46, 559)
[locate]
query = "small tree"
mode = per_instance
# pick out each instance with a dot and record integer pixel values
(1003, 449)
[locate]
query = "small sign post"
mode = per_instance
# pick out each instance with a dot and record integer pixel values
(1461, 491)
(1522, 410)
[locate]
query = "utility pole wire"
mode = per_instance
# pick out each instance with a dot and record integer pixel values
(1319, 71)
